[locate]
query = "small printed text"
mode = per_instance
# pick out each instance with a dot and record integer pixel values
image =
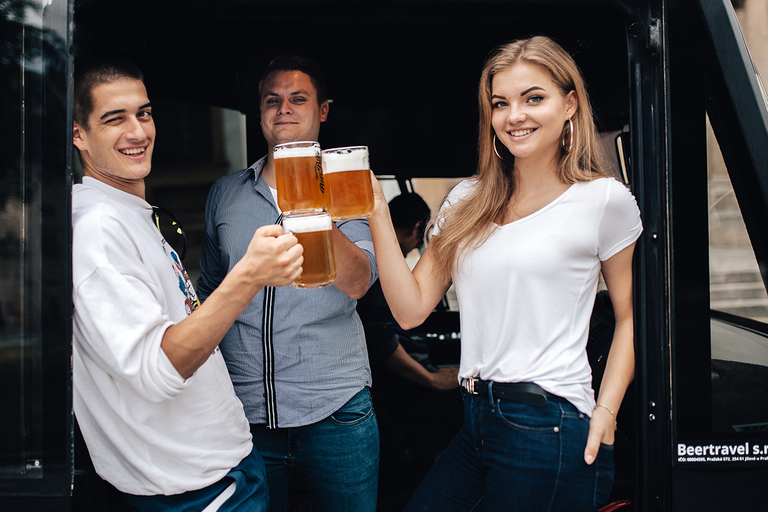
(742, 452)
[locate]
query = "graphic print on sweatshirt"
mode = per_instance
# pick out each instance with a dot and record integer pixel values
(185, 283)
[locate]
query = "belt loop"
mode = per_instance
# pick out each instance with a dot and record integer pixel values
(490, 392)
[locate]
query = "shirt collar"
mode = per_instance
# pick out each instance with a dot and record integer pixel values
(115, 193)
(261, 185)
(257, 167)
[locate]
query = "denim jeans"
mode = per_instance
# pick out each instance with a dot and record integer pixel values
(250, 492)
(510, 456)
(339, 457)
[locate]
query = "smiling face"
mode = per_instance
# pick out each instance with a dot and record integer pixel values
(528, 111)
(289, 108)
(116, 148)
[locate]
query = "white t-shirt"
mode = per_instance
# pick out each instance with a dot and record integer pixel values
(526, 294)
(147, 429)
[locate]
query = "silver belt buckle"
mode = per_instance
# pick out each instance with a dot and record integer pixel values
(469, 385)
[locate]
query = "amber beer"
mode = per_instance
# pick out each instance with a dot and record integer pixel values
(314, 233)
(346, 173)
(299, 176)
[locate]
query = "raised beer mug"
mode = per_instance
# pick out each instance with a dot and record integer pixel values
(346, 174)
(314, 233)
(299, 175)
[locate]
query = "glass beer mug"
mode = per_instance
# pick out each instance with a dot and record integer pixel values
(314, 233)
(299, 176)
(346, 174)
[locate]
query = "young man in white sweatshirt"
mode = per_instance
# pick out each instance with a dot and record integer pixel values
(152, 394)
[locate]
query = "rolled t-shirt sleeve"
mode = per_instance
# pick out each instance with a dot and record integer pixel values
(620, 224)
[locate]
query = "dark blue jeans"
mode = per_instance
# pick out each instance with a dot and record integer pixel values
(339, 457)
(510, 456)
(250, 493)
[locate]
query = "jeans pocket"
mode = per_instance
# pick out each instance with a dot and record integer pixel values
(358, 409)
(604, 474)
(528, 418)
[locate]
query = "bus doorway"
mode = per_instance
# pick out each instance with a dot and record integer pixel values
(406, 89)
(678, 102)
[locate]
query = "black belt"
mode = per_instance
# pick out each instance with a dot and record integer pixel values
(523, 392)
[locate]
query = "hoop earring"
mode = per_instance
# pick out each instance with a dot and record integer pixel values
(494, 148)
(570, 137)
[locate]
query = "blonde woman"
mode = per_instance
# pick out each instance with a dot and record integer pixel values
(524, 241)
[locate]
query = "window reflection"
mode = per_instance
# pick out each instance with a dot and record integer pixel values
(35, 279)
(19, 219)
(736, 285)
(739, 345)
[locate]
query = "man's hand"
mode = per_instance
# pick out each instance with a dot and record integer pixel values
(402, 364)
(273, 258)
(444, 379)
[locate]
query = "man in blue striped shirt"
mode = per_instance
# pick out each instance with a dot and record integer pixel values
(298, 358)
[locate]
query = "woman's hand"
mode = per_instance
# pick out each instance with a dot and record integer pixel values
(602, 429)
(379, 201)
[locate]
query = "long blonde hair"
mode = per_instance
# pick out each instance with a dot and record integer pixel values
(467, 224)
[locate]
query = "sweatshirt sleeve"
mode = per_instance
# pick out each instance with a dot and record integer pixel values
(121, 328)
(120, 319)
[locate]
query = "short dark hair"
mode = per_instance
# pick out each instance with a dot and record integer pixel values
(289, 62)
(407, 209)
(95, 70)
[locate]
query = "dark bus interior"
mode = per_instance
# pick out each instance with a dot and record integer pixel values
(402, 76)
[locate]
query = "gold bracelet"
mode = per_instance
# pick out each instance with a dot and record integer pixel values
(606, 408)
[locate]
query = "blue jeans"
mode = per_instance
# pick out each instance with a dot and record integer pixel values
(339, 457)
(510, 456)
(250, 493)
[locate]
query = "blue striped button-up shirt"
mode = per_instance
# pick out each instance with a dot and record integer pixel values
(320, 357)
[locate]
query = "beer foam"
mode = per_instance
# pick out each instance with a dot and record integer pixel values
(306, 223)
(342, 159)
(294, 152)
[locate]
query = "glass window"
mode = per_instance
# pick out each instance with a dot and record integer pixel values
(739, 303)
(735, 284)
(35, 275)
(20, 256)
